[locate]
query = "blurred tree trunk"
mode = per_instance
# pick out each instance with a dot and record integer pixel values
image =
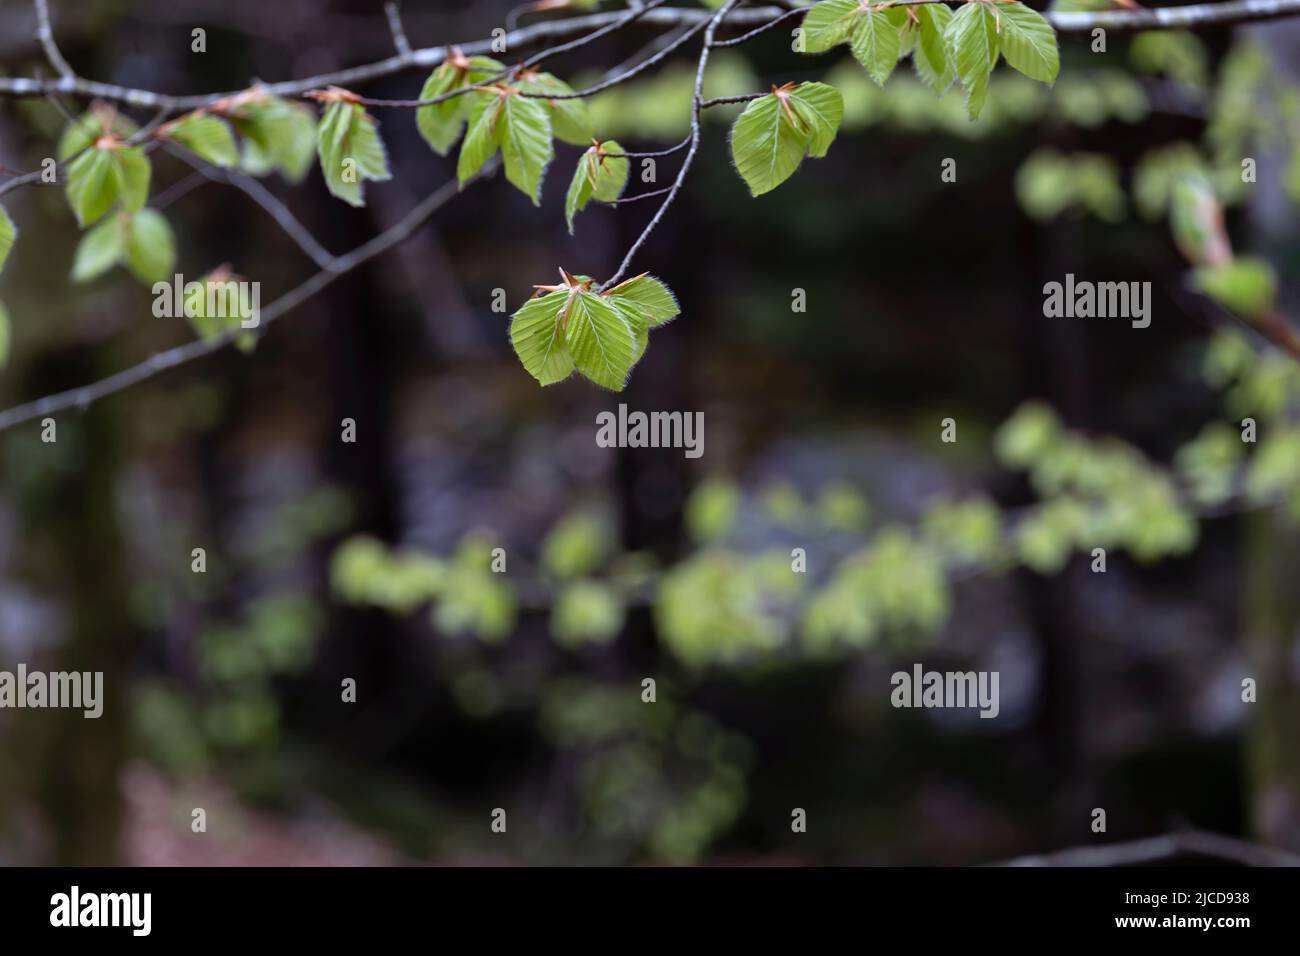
(79, 785)
(1271, 545)
(1271, 611)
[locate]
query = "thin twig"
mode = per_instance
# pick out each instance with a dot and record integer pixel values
(264, 198)
(394, 16)
(45, 34)
(727, 100)
(775, 21)
(81, 398)
(656, 153)
(626, 75)
(639, 196)
(1187, 17)
(627, 19)
(697, 123)
(1152, 849)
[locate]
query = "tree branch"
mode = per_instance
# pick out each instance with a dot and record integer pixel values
(45, 34)
(83, 397)
(400, 43)
(1153, 849)
(277, 210)
(1164, 18)
(697, 123)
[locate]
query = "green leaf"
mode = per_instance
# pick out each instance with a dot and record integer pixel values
(827, 24)
(538, 339)
(351, 151)
(150, 247)
(212, 307)
(441, 123)
(91, 126)
(278, 135)
(973, 49)
(600, 339)
(1028, 42)
(483, 136)
(1246, 286)
(91, 186)
(526, 145)
(930, 57)
(131, 173)
(207, 137)
(649, 297)
(7, 235)
(580, 189)
(577, 545)
(100, 249)
(765, 145)
(876, 44)
(570, 119)
(598, 176)
(711, 510)
(586, 612)
(820, 107)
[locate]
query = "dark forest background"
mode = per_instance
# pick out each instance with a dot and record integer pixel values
(1119, 691)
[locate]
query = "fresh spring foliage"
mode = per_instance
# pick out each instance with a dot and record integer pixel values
(772, 136)
(205, 136)
(142, 241)
(601, 334)
(601, 175)
(503, 120)
(349, 146)
(7, 236)
(441, 123)
(277, 135)
(944, 45)
(105, 175)
(213, 309)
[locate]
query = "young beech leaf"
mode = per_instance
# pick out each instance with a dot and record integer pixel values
(930, 54)
(766, 146)
(208, 307)
(599, 176)
(875, 42)
(141, 241)
(150, 247)
(601, 334)
(131, 173)
(278, 134)
(520, 127)
(1028, 42)
(207, 137)
(350, 151)
(102, 176)
(820, 108)
(828, 24)
(648, 296)
(972, 41)
(7, 236)
(600, 338)
(101, 120)
(1244, 285)
(441, 123)
(570, 119)
(483, 137)
(769, 140)
(538, 339)
(100, 249)
(526, 144)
